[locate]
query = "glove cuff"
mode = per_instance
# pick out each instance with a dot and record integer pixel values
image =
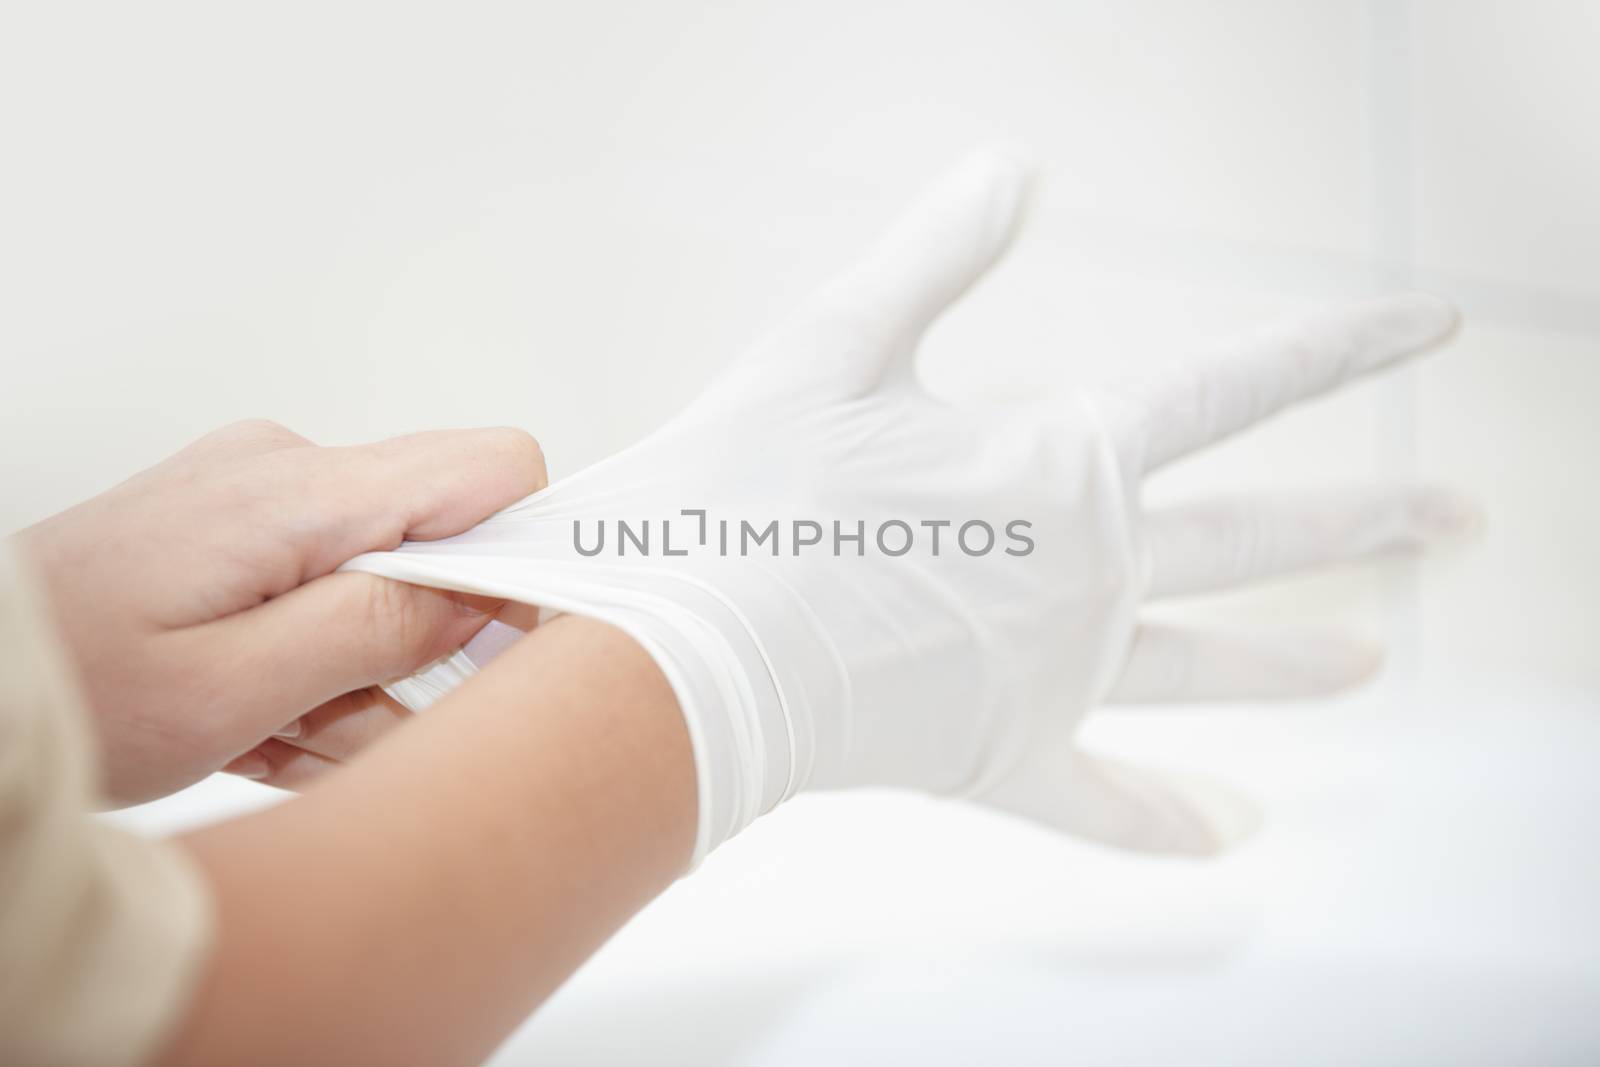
(749, 715)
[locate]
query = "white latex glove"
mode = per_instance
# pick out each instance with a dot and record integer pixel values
(955, 673)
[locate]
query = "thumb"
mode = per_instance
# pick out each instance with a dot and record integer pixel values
(939, 247)
(333, 635)
(862, 327)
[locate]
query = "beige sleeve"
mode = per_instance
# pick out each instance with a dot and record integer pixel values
(102, 932)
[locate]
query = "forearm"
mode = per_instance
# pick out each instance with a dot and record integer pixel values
(418, 906)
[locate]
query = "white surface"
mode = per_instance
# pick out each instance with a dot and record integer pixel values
(1423, 893)
(214, 211)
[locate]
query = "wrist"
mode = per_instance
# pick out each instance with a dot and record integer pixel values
(761, 689)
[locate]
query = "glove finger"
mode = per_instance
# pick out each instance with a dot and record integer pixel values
(1180, 664)
(1175, 411)
(865, 324)
(1128, 807)
(1219, 543)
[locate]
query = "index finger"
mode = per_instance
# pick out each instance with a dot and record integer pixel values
(419, 487)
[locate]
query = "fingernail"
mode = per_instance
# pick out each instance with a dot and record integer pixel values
(291, 731)
(473, 606)
(250, 765)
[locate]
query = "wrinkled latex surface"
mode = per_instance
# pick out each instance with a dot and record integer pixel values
(954, 672)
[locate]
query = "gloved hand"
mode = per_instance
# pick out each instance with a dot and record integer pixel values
(849, 582)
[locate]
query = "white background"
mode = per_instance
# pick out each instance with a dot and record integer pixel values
(361, 219)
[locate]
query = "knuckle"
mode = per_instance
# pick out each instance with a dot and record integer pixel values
(260, 427)
(240, 440)
(256, 431)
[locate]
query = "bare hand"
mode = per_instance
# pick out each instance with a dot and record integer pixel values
(198, 598)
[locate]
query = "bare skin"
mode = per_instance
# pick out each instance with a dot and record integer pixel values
(415, 907)
(199, 599)
(327, 737)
